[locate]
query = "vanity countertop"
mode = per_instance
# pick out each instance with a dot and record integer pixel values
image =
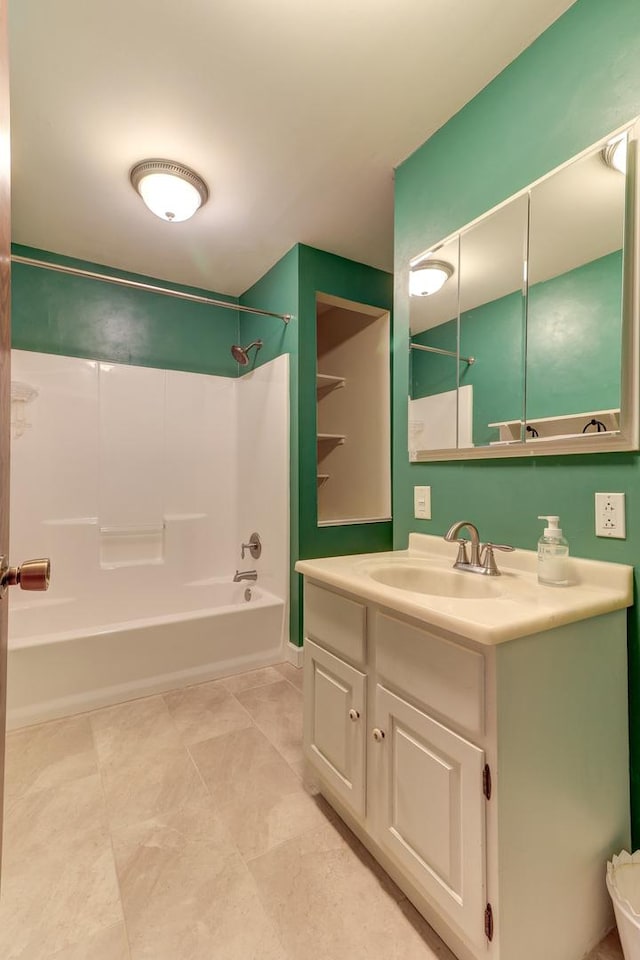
(509, 606)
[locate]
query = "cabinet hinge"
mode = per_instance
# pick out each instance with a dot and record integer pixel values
(488, 922)
(486, 781)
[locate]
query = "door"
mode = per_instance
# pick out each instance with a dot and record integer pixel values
(429, 808)
(334, 724)
(5, 359)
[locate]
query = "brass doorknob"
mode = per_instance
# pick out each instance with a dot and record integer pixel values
(30, 575)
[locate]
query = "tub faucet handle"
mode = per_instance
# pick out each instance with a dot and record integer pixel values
(254, 546)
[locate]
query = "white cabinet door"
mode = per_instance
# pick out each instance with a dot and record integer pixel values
(430, 808)
(334, 723)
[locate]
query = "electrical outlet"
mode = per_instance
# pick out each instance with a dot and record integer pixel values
(422, 503)
(610, 515)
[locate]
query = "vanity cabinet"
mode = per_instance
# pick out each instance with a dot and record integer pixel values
(336, 724)
(429, 809)
(489, 779)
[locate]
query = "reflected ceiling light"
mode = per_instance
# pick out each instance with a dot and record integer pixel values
(615, 154)
(428, 277)
(172, 191)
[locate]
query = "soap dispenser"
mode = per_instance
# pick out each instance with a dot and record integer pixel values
(553, 555)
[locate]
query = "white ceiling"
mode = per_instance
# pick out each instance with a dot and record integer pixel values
(295, 112)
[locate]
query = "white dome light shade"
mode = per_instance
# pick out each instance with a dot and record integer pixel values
(615, 154)
(171, 191)
(428, 277)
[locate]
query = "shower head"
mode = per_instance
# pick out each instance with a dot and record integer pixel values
(241, 354)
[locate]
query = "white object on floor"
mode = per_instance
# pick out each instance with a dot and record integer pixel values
(623, 884)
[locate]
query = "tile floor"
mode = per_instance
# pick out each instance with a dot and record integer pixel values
(179, 827)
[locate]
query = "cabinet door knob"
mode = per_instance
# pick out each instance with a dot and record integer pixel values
(378, 735)
(354, 715)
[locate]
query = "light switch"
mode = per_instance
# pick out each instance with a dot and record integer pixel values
(422, 503)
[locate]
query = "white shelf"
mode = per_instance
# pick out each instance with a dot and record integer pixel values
(331, 438)
(326, 382)
(322, 477)
(570, 424)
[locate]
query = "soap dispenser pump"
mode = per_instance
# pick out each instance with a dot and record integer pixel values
(553, 555)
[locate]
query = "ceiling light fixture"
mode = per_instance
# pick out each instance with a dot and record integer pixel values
(428, 277)
(172, 191)
(614, 154)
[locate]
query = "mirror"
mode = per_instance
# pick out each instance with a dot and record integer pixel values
(517, 344)
(574, 308)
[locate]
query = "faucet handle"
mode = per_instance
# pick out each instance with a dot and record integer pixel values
(254, 546)
(462, 551)
(489, 561)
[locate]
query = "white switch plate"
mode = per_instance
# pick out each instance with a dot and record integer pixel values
(610, 515)
(422, 503)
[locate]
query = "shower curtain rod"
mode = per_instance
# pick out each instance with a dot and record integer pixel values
(444, 353)
(149, 287)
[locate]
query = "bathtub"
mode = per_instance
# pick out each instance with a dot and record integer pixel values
(67, 655)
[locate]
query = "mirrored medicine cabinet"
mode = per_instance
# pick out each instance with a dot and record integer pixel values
(524, 323)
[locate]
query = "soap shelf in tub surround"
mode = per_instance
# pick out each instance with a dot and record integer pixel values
(473, 732)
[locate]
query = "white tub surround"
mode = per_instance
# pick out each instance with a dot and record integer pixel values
(148, 481)
(511, 605)
(473, 732)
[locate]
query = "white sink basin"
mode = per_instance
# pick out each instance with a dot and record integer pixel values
(420, 583)
(426, 578)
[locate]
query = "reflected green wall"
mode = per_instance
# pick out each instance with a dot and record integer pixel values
(291, 286)
(573, 350)
(75, 317)
(573, 340)
(577, 82)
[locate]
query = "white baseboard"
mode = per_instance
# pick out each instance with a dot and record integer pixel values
(294, 654)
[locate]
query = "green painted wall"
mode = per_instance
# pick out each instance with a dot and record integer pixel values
(573, 340)
(278, 290)
(577, 82)
(291, 287)
(573, 343)
(72, 316)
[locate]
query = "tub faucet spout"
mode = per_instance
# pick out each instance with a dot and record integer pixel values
(245, 575)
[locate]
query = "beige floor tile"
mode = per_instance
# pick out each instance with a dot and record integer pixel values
(237, 764)
(256, 793)
(59, 886)
(308, 776)
(342, 909)
(155, 784)
(48, 755)
(262, 822)
(293, 674)
(254, 678)
(125, 732)
(608, 949)
(205, 711)
(277, 711)
(108, 944)
(187, 894)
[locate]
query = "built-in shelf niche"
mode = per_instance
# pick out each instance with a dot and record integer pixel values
(558, 428)
(353, 412)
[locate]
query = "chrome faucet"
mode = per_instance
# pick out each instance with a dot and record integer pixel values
(482, 559)
(245, 575)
